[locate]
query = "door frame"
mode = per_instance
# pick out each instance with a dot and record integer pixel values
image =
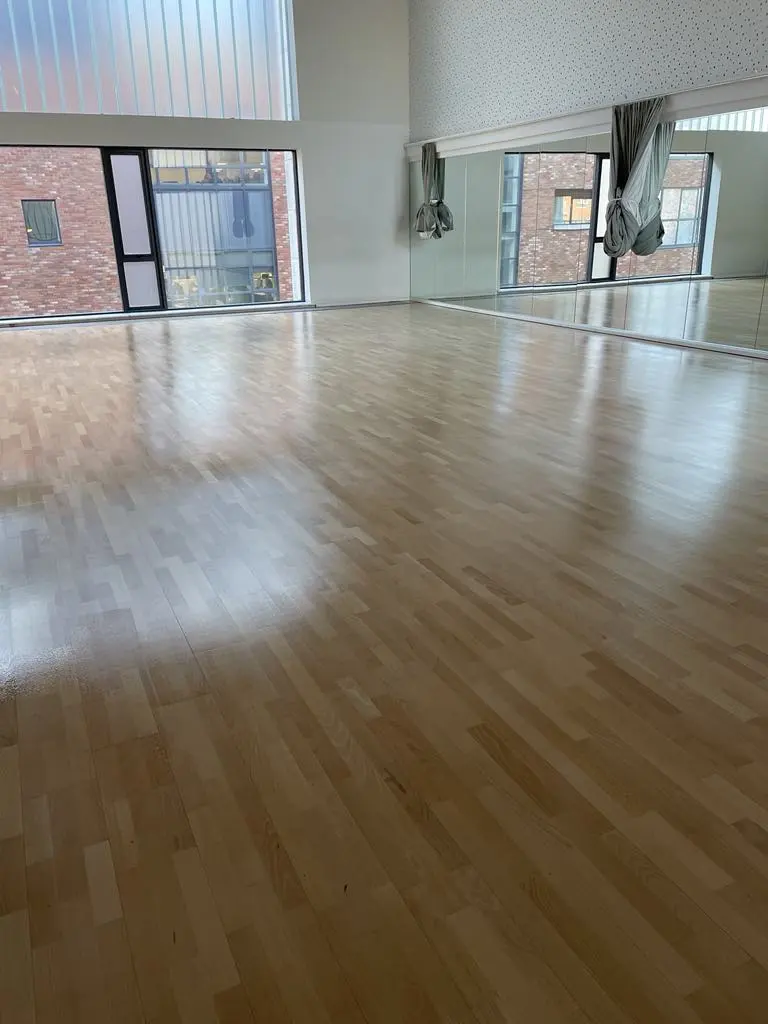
(107, 152)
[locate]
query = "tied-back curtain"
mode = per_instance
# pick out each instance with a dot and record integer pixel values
(640, 147)
(433, 218)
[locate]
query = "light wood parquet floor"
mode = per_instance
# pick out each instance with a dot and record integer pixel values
(727, 311)
(390, 665)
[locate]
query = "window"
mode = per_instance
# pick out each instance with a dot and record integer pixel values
(41, 221)
(510, 219)
(228, 226)
(681, 216)
(573, 208)
(169, 58)
(209, 167)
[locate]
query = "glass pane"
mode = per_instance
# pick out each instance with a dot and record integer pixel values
(689, 203)
(58, 255)
(174, 174)
(601, 263)
(724, 306)
(225, 240)
(509, 248)
(512, 170)
(581, 212)
(602, 202)
(670, 203)
(192, 58)
(131, 209)
(255, 175)
(508, 273)
(562, 231)
(564, 213)
(684, 183)
(41, 221)
(141, 285)
(509, 221)
(685, 231)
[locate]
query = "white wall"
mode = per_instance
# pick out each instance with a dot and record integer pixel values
(740, 232)
(352, 67)
(484, 63)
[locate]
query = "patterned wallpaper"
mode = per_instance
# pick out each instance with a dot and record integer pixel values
(485, 63)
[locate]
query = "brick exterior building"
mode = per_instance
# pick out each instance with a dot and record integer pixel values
(557, 255)
(280, 213)
(78, 276)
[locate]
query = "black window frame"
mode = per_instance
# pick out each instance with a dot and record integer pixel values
(44, 244)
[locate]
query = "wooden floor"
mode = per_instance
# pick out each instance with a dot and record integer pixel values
(726, 311)
(391, 665)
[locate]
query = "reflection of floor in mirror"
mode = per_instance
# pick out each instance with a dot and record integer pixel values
(726, 311)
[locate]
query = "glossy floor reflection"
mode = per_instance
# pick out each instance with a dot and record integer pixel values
(727, 312)
(393, 664)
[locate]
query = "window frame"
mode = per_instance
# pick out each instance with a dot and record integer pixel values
(696, 220)
(506, 206)
(27, 229)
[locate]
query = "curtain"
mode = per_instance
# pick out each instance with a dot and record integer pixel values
(41, 219)
(433, 218)
(640, 147)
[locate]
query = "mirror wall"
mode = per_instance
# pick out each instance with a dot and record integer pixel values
(529, 226)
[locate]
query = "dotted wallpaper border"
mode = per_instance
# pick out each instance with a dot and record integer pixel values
(479, 64)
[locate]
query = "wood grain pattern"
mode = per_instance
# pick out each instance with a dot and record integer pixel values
(390, 665)
(726, 311)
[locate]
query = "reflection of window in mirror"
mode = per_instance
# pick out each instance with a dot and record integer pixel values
(572, 209)
(681, 215)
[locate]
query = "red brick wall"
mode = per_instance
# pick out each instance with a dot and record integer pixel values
(78, 276)
(550, 255)
(280, 186)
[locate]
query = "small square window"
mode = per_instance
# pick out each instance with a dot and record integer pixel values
(41, 221)
(573, 208)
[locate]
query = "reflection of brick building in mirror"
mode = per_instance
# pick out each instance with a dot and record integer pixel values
(556, 199)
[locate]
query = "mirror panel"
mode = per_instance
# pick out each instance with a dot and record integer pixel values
(529, 227)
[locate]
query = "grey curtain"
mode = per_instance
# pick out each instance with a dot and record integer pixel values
(433, 218)
(41, 219)
(640, 147)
